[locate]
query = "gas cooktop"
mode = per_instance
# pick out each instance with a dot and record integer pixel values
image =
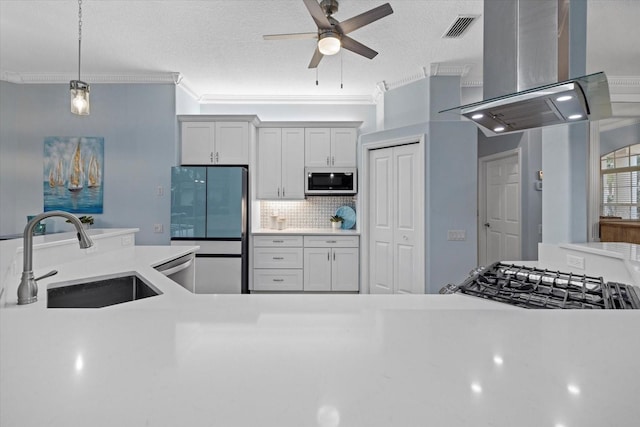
(532, 287)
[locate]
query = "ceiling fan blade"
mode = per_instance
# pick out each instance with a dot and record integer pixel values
(317, 14)
(292, 36)
(365, 18)
(357, 47)
(315, 60)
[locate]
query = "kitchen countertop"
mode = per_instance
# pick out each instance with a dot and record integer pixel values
(269, 231)
(311, 360)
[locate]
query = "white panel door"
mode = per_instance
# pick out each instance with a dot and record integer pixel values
(317, 147)
(317, 269)
(343, 147)
(396, 212)
(502, 226)
(269, 166)
(407, 227)
(381, 221)
(232, 143)
(344, 269)
(292, 164)
(197, 143)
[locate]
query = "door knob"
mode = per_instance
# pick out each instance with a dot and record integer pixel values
(486, 224)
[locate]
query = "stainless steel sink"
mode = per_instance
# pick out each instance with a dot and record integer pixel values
(100, 291)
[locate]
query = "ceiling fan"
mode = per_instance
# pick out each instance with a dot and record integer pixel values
(331, 34)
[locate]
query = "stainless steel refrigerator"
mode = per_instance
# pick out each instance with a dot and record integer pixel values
(209, 208)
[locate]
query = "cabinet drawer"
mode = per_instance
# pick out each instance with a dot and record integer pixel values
(277, 241)
(277, 280)
(277, 257)
(330, 241)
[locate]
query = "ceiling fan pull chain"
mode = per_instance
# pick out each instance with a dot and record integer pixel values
(341, 56)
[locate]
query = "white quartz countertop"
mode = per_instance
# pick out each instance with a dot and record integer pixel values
(181, 359)
(319, 360)
(269, 231)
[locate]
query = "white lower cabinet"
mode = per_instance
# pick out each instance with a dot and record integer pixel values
(310, 263)
(331, 269)
(277, 263)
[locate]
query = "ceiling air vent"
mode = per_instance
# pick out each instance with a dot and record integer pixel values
(459, 26)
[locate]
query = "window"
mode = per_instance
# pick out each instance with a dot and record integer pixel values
(620, 171)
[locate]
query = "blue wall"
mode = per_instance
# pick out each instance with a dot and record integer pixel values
(615, 139)
(138, 123)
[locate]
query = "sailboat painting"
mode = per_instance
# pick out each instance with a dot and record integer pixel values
(73, 174)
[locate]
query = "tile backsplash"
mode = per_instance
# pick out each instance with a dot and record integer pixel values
(313, 212)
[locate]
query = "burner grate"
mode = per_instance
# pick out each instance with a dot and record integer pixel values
(541, 288)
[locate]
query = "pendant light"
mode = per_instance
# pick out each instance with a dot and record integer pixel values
(79, 90)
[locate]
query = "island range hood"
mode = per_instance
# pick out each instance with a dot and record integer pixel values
(574, 100)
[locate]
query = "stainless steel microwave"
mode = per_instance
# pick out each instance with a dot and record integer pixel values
(330, 181)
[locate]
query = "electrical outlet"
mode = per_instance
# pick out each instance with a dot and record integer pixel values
(456, 235)
(126, 240)
(157, 228)
(159, 191)
(575, 261)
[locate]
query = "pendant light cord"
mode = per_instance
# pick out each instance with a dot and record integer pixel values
(79, 36)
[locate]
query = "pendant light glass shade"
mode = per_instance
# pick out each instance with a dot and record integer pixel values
(80, 98)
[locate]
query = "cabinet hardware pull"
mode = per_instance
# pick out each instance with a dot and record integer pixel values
(332, 241)
(217, 157)
(328, 255)
(278, 191)
(278, 280)
(211, 156)
(327, 160)
(334, 256)
(278, 257)
(278, 241)
(333, 160)
(283, 192)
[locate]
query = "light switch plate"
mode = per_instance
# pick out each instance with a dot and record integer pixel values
(457, 235)
(157, 228)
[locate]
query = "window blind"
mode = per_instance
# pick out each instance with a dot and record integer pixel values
(620, 171)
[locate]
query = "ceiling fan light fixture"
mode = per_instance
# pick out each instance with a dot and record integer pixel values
(329, 43)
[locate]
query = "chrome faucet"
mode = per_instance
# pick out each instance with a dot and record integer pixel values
(28, 289)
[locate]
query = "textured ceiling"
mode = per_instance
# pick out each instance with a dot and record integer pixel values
(217, 45)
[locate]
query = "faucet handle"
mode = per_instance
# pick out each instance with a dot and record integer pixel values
(49, 274)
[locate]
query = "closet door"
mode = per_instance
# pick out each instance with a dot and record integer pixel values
(381, 220)
(396, 212)
(408, 221)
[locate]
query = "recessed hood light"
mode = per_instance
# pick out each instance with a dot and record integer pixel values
(582, 98)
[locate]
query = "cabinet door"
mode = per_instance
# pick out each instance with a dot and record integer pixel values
(344, 269)
(197, 143)
(292, 164)
(232, 143)
(343, 147)
(269, 163)
(317, 147)
(218, 275)
(317, 269)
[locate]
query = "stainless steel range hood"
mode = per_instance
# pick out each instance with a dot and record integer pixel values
(570, 101)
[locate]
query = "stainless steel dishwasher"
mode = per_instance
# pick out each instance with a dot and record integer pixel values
(181, 270)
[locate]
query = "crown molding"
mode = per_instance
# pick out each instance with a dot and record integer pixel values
(55, 78)
(286, 99)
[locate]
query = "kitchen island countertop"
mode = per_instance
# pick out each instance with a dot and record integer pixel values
(312, 360)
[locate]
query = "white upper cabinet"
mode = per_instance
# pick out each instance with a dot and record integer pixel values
(281, 163)
(215, 143)
(330, 147)
(343, 147)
